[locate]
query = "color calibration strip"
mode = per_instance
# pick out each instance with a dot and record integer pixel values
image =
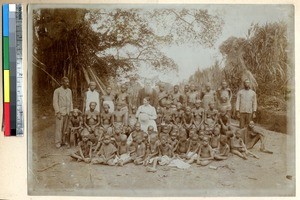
(12, 65)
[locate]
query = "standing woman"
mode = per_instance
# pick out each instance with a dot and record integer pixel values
(92, 95)
(146, 115)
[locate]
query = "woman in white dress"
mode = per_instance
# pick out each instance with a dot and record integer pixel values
(146, 115)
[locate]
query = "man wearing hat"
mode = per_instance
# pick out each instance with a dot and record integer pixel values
(62, 104)
(246, 104)
(92, 95)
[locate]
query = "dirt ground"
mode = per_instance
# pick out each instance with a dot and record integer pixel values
(52, 172)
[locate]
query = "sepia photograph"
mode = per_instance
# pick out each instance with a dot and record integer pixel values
(142, 100)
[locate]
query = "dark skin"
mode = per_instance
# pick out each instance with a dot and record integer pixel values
(91, 125)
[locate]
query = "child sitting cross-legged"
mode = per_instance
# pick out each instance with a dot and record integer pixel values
(165, 154)
(223, 150)
(85, 150)
(205, 154)
(107, 152)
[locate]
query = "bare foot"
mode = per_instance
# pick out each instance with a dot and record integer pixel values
(151, 169)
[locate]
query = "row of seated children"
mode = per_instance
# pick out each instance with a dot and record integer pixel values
(160, 148)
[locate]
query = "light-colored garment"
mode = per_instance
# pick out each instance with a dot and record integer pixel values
(164, 160)
(60, 129)
(92, 96)
(111, 106)
(62, 101)
(146, 116)
(246, 101)
(179, 164)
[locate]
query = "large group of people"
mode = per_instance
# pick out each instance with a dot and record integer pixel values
(149, 127)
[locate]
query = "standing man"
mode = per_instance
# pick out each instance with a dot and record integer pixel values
(62, 104)
(92, 95)
(246, 105)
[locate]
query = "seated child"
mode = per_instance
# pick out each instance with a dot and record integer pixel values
(238, 147)
(173, 140)
(75, 127)
(183, 145)
(215, 138)
(165, 131)
(140, 151)
(116, 139)
(188, 119)
(205, 153)
(107, 153)
(165, 154)
(211, 117)
(223, 151)
(152, 150)
(193, 148)
(123, 153)
(151, 131)
(132, 120)
(85, 150)
(137, 131)
(224, 121)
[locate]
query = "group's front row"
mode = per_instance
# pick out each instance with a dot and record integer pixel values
(117, 147)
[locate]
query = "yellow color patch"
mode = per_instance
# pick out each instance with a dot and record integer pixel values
(6, 86)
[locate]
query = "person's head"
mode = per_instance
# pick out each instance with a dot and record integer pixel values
(76, 112)
(137, 126)
(201, 134)
(123, 139)
(195, 138)
(198, 103)
(108, 90)
(216, 131)
(188, 110)
(158, 110)
(92, 85)
(164, 140)
(93, 106)
(119, 106)
(238, 134)
(133, 109)
(106, 107)
(146, 101)
(153, 138)
(150, 129)
(106, 139)
(211, 105)
(247, 84)
(161, 87)
(251, 124)
(192, 87)
(65, 82)
(165, 129)
(224, 84)
(208, 86)
(186, 88)
(134, 136)
(176, 88)
(192, 132)
(168, 104)
(205, 141)
(123, 88)
(85, 137)
(173, 135)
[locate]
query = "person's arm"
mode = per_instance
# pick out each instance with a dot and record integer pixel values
(71, 103)
(153, 114)
(90, 153)
(81, 153)
(138, 112)
(188, 149)
(199, 153)
(175, 147)
(84, 103)
(226, 151)
(254, 105)
(55, 103)
(85, 124)
(230, 94)
(98, 120)
(237, 104)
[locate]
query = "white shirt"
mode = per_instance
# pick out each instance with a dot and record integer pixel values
(92, 96)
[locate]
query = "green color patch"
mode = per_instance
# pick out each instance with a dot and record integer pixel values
(6, 53)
